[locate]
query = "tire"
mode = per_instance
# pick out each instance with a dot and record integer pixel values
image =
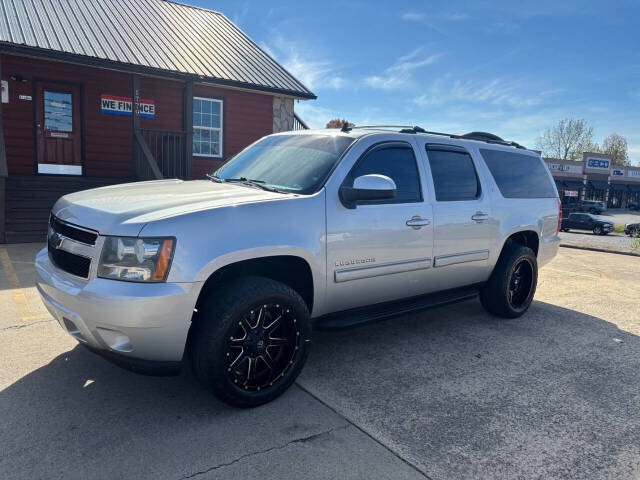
(234, 332)
(497, 295)
(597, 230)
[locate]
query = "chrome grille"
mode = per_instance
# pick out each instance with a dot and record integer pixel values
(63, 235)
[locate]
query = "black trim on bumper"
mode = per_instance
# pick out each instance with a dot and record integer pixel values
(138, 365)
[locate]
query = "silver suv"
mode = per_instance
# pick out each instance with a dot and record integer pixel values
(329, 228)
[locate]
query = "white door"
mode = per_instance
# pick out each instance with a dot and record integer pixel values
(382, 250)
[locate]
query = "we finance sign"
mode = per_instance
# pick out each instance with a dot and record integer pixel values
(114, 105)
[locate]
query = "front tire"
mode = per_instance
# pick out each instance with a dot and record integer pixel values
(597, 230)
(250, 341)
(512, 285)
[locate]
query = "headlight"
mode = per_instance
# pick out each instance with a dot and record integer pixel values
(136, 259)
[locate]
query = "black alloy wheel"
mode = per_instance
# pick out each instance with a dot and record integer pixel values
(520, 283)
(262, 347)
(510, 289)
(249, 340)
(597, 230)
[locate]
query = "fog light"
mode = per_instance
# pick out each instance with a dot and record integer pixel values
(73, 329)
(116, 340)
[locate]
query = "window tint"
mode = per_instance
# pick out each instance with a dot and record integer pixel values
(518, 175)
(454, 176)
(397, 163)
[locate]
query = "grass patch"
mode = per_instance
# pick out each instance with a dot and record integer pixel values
(618, 228)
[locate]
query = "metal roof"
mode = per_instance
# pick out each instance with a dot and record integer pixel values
(144, 35)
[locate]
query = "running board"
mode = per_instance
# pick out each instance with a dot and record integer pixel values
(382, 311)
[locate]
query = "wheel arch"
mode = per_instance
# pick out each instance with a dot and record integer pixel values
(292, 270)
(527, 236)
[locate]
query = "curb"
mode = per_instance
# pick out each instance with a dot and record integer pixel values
(602, 250)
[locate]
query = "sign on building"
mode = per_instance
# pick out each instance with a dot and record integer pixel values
(570, 193)
(616, 172)
(114, 105)
(634, 173)
(600, 163)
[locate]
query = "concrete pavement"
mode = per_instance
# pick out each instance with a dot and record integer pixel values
(451, 393)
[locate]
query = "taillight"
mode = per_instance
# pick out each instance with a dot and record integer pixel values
(559, 215)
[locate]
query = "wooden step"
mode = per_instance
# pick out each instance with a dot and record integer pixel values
(26, 237)
(29, 199)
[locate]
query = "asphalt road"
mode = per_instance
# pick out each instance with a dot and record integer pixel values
(447, 393)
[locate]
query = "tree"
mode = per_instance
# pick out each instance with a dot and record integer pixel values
(337, 123)
(567, 140)
(616, 146)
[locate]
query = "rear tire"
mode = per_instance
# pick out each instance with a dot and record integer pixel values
(250, 341)
(512, 285)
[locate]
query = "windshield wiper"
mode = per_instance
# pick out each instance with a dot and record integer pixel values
(213, 178)
(253, 183)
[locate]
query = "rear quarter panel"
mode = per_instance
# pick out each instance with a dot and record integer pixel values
(512, 215)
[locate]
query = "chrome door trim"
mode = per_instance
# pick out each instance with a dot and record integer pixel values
(445, 260)
(357, 273)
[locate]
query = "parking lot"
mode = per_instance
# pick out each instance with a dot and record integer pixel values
(446, 393)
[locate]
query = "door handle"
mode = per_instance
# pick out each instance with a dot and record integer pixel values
(479, 217)
(417, 222)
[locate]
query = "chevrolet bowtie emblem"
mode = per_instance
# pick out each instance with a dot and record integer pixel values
(56, 241)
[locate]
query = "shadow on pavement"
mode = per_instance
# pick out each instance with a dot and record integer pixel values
(465, 395)
(81, 417)
(455, 391)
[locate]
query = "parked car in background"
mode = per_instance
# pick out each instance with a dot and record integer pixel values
(327, 227)
(634, 206)
(592, 206)
(632, 229)
(586, 221)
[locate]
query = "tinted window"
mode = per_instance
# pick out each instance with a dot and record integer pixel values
(454, 176)
(297, 163)
(397, 163)
(518, 175)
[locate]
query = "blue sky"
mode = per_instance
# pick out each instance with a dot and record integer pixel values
(510, 68)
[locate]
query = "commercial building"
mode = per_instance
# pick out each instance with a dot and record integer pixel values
(109, 91)
(595, 178)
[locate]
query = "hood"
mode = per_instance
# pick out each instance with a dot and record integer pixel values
(124, 209)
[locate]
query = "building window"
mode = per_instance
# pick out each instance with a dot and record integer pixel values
(207, 127)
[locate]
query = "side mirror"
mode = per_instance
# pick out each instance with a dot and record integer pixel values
(368, 187)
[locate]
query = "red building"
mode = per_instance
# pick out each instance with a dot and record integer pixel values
(96, 93)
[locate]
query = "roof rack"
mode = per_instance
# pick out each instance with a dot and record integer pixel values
(479, 136)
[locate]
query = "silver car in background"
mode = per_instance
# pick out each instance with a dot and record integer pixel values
(329, 228)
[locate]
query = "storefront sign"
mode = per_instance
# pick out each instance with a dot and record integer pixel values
(557, 167)
(5, 91)
(113, 105)
(570, 193)
(617, 173)
(600, 163)
(24, 97)
(634, 173)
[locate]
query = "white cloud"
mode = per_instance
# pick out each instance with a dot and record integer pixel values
(314, 74)
(443, 16)
(412, 16)
(399, 75)
(241, 15)
(497, 92)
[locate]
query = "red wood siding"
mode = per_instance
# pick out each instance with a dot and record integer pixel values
(108, 138)
(247, 117)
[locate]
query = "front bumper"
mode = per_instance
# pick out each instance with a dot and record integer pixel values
(140, 326)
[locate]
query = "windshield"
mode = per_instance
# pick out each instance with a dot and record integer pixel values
(295, 163)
